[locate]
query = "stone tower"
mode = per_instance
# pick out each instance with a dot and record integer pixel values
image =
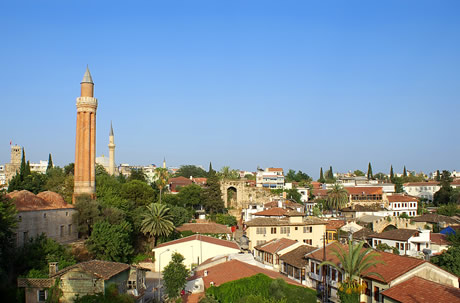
(85, 143)
(111, 152)
(15, 163)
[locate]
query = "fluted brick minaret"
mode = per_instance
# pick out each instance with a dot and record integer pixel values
(111, 152)
(85, 144)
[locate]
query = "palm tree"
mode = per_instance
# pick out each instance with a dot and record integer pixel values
(337, 197)
(157, 221)
(355, 261)
(162, 178)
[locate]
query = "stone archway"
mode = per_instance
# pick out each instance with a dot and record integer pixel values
(389, 227)
(232, 197)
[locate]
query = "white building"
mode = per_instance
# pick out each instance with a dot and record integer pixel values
(422, 189)
(400, 203)
(270, 178)
(195, 250)
(409, 242)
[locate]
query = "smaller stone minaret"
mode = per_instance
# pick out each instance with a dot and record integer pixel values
(111, 152)
(164, 162)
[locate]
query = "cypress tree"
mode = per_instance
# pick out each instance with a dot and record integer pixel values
(438, 175)
(370, 175)
(321, 176)
(392, 176)
(22, 170)
(404, 172)
(50, 163)
(27, 172)
(331, 174)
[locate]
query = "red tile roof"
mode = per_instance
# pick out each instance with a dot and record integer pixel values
(275, 211)
(335, 224)
(364, 190)
(394, 266)
(274, 169)
(296, 257)
(419, 290)
(203, 238)
(101, 269)
(275, 245)
(401, 198)
(26, 201)
(396, 234)
(205, 228)
(235, 270)
(200, 180)
(439, 239)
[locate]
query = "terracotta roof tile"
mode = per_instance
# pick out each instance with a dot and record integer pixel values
(274, 169)
(364, 190)
(394, 266)
(275, 245)
(401, 198)
(435, 218)
(397, 234)
(296, 257)
(335, 224)
(101, 269)
(205, 228)
(203, 238)
(24, 200)
(431, 183)
(275, 211)
(439, 239)
(419, 290)
(235, 270)
(284, 222)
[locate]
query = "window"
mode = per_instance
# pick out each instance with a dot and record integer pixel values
(66, 213)
(333, 274)
(273, 230)
(367, 290)
(312, 267)
(19, 218)
(260, 242)
(376, 294)
(261, 231)
(41, 295)
(25, 237)
(307, 241)
(61, 230)
(69, 229)
(307, 229)
(285, 230)
(296, 228)
(44, 215)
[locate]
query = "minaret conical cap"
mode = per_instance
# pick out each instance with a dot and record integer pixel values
(111, 129)
(87, 77)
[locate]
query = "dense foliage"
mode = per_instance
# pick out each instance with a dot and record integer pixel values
(450, 259)
(111, 296)
(260, 288)
(175, 275)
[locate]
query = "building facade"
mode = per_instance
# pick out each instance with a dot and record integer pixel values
(271, 178)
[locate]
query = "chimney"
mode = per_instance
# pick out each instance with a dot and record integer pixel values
(53, 268)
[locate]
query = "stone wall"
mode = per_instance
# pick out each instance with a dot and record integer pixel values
(57, 224)
(79, 282)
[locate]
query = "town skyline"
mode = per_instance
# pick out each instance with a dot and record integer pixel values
(298, 86)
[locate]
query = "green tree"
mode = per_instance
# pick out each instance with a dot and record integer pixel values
(443, 195)
(449, 260)
(22, 169)
(175, 275)
(162, 178)
(190, 195)
(321, 176)
(354, 260)
(157, 221)
(227, 173)
(69, 169)
(8, 223)
(404, 172)
(50, 163)
(358, 173)
(293, 194)
(179, 215)
(137, 174)
(137, 191)
(438, 176)
(337, 197)
(225, 219)
(450, 210)
(369, 172)
(398, 182)
(392, 175)
(111, 242)
(211, 196)
(88, 213)
(188, 171)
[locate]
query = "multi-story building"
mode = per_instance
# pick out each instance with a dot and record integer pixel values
(269, 253)
(293, 225)
(271, 178)
(422, 189)
(410, 242)
(39, 167)
(400, 203)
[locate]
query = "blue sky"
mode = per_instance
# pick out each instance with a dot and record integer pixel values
(292, 84)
